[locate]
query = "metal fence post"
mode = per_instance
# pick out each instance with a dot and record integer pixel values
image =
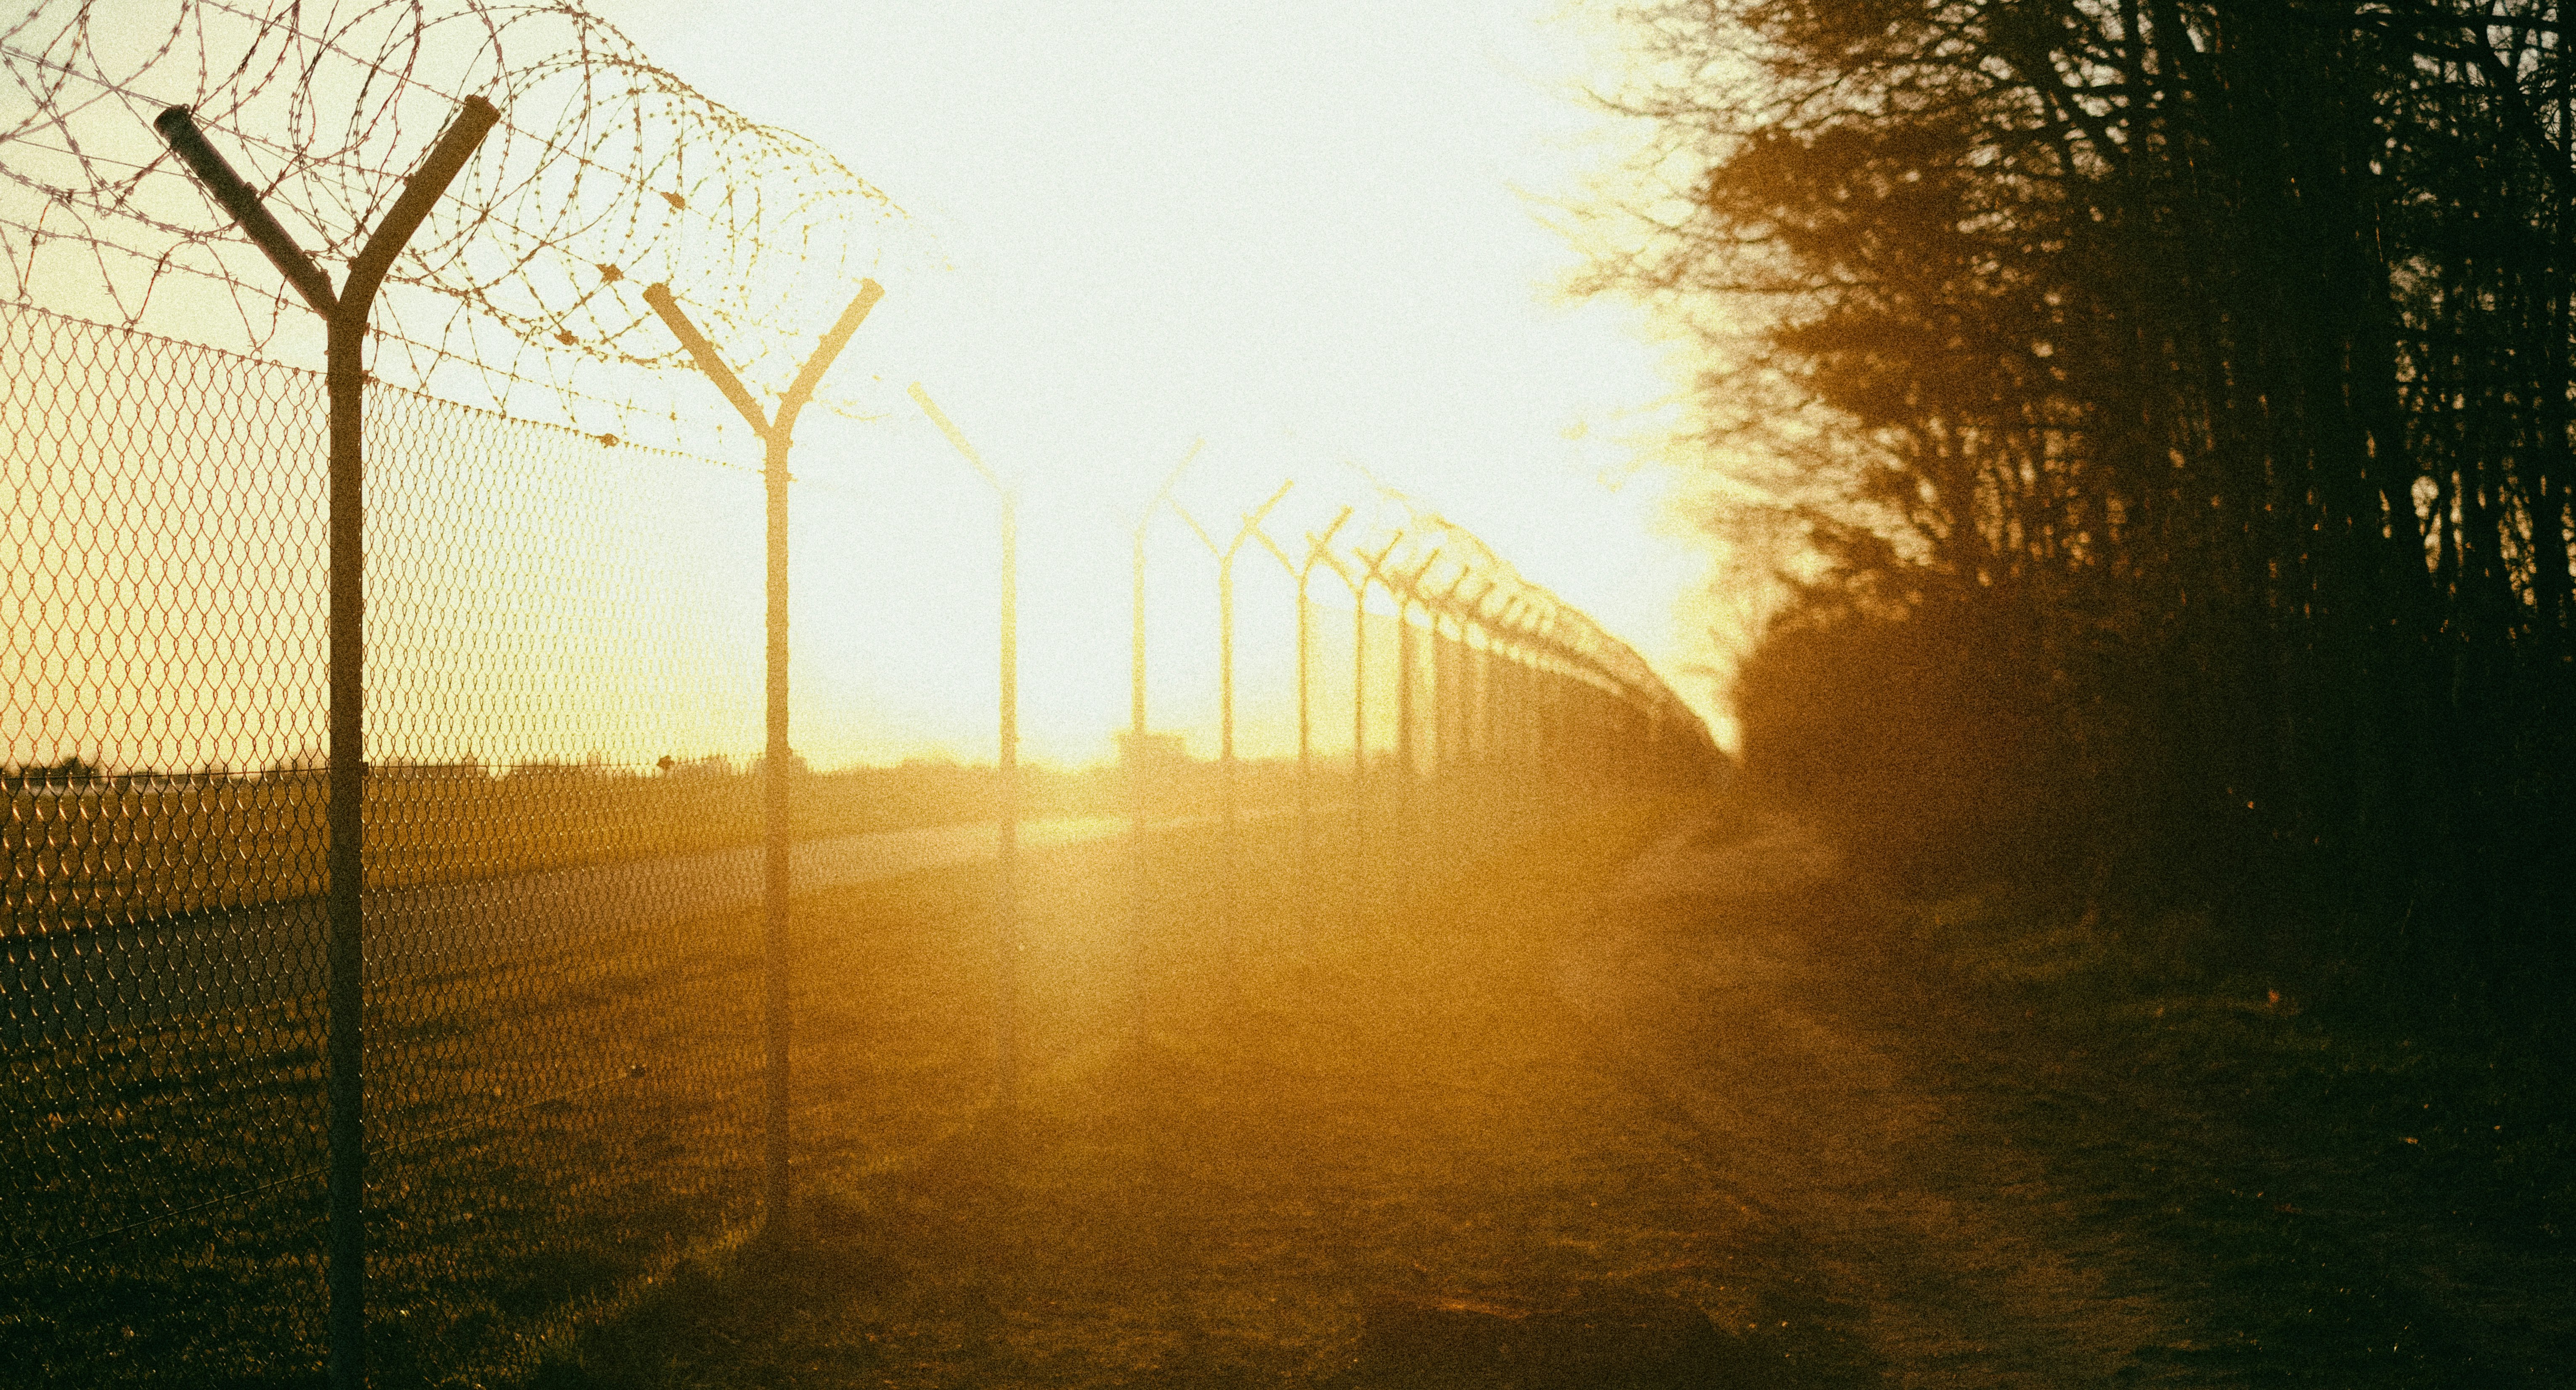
(344, 379)
(1372, 572)
(1406, 662)
(1315, 552)
(1305, 749)
(777, 435)
(1007, 943)
(1007, 764)
(1436, 748)
(1448, 676)
(1137, 790)
(1228, 923)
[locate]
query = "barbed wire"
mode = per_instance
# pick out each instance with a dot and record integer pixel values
(522, 290)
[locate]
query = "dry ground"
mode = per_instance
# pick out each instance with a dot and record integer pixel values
(1635, 1096)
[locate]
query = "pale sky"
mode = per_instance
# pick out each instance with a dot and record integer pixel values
(1305, 233)
(1315, 237)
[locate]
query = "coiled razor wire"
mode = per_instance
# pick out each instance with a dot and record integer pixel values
(522, 291)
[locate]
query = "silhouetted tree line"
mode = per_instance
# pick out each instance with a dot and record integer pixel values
(2179, 395)
(71, 770)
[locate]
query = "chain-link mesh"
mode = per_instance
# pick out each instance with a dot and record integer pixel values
(163, 616)
(562, 1038)
(561, 1019)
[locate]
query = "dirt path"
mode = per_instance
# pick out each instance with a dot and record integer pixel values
(1890, 1173)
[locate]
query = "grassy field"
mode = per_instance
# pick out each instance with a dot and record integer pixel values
(1383, 1152)
(2363, 1200)
(554, 1133)
(536, 1137)
(1372, 1137)
(1352, 1148)
(1366, 1141)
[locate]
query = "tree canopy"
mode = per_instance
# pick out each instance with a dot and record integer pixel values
(2197, 374)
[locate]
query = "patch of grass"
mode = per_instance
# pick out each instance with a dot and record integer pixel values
(541, 1136)
(2363, 1202)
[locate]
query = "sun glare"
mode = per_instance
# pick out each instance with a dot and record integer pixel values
(1300, 235)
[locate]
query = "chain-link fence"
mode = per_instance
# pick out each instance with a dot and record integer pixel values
(561, 1031)
(394, 962)
(565, 1045)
